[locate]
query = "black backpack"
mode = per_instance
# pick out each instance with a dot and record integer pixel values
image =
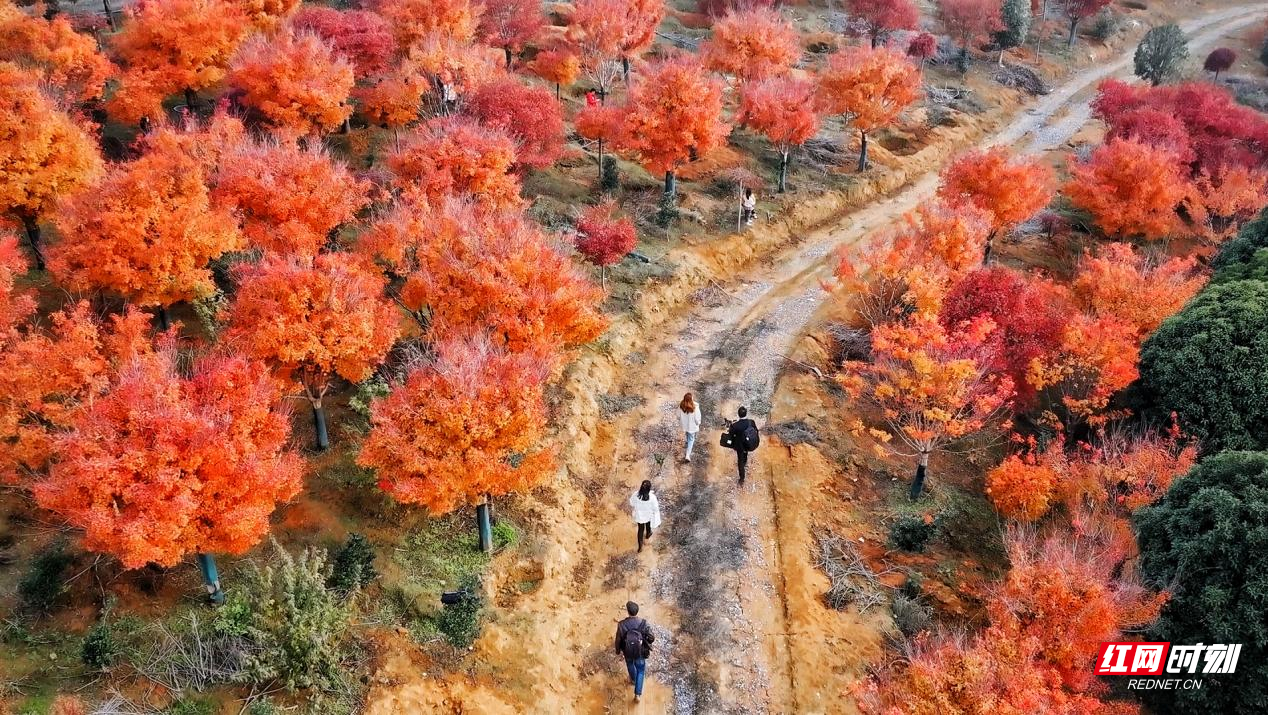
(751, 437)
(633, 647)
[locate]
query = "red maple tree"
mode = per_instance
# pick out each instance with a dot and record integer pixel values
(1130, 188)
(881, 17)
(1079, 10)
(1120, 282)
(869, 88)
(603, 238)
(529, 115)
(455, 156)
(783, 109)
(295, 81)
(969, 21)
(510, 25)
(1010, 190)
(752, 44)
(361, 36)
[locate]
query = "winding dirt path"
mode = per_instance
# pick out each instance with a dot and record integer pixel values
(712, 581)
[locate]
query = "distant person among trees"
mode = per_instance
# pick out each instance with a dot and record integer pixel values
(689, 418)
(634, 639)
(646, 510)
(749, 206)
(742, 436)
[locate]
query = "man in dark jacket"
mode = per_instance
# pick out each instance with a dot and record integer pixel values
(634, 640)
(737, 430)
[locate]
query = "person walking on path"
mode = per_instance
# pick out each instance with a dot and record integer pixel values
(689, 418)
(748, 206)
(646, 510)
(743, 437)
(634, 640)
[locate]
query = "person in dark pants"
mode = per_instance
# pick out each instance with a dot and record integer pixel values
(739, 431)
(634, 640)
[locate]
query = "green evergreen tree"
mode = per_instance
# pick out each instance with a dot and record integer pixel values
(1161, 53)
(1016, 17)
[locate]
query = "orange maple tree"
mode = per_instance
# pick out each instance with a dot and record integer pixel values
(392, 100)
(164, 465)
(869, 88)
(783, 110)
(267, 15)
(1143, 291)
(952, 235)
(1010, 190)
(313, 319)
(597, 31)
(469, 267)
(146, 232)
(558, 65)
(752, 44)
(1024, 486)
(673, 113)
(287, 199)
(65, 60)
(174, 46)
(44, 155)
(930, 386)
(461, 427)
(449, 156)
(638, 21)
(1130, 188)
(295, 81)
(414, 20)
(510, 25)
(1098, 357)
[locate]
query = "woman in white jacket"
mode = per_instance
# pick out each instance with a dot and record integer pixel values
(646, 511)
(689, 418)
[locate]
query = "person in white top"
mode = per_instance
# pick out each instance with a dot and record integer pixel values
(689, 418)
(749, 206)
(646, 511)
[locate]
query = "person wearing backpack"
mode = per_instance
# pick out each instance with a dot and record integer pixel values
(689, 419)
(634, 639)
(646, 510)
(742, 436)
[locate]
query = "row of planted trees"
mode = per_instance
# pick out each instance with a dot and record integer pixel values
(957, 345)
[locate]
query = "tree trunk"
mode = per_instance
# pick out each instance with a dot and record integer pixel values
(990, 246)
(603, 95)
(863, 152)
(964, 58)
(671, 186)
(211, 578)
(190, 98)
(33, 237)
(918, 484)
(625, 70)
(1074, 26)
(507, 50)
(600, 163)
(1001, 56)
(876, 38)
(319, 422)
(109, 15)
(165, 318)
(556, 91)
(484, 526)
(1043, 10)
(783, 171)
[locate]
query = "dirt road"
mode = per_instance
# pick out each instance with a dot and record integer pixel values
(711, 580)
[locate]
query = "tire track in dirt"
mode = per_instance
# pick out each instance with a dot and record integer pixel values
(718, 574)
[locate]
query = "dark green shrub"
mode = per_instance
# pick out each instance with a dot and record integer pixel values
(610, 177)
(367, 392)
(504, 535)
(101, 647)
(1209, 365)
(1161, 53)
(911, 615)
(1104, 25)
(43, 584)
(1207, 542)
(666, 210)
(191, 706)
(460, 622)
(911, 532)
(354, 565)
(1241, 248)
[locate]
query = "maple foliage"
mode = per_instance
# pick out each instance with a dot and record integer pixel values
(146, 231)
(969, 20)
(439, 59)
(392, 100)
(559, 66)
(15, 304)
(287, 199)
(510, 24)
(597, 31)
(295, 81)
(1024, 486)
(1125, 470)
(64, 59)
(361, 36)
(413, 20)
(930, 385)
(1029, 313)
(1098, 357)
(752, 44)
(783, 110)
(454, 156)
(950, 235)
(603, 238)
(170, 46)
(163, 465)
(529, 115)
(869, 88)
(267, 15)
(638, 20)
(880, 17)
(922, 46)
(674, 111)
(470, 267)
(312, 319)
(461, 426)
(1130, 188)
(1218, 205)
(1077, 11)
(44, 155)
(1010, 190)
(1118, 281)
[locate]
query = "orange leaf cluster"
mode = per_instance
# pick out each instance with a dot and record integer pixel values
(475, 268)
(559, 66)
(287, 199)
(1008, 190)
(1131, 286)
(163, 465)
(674, 112)
(597, 31)
(451, 156)
(510, 24)
(295, 81)
(752, 44)
(63, 58)
(1098, 357)
(465, 66)
(43, 154)
(869, 87)
(145, 232)
(1124, 471)
(1130, 188)
(312, 319)
(391, 100)
(267, 15)
(1023, 486)
(782, 109)
(460, 427)
(413, 20)
(170, 46)
(639, 20)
